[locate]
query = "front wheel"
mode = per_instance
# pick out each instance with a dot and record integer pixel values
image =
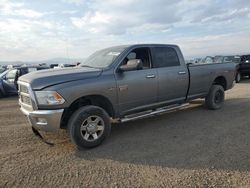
(215, 97)
(89, 126)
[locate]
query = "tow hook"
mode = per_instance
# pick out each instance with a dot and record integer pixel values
(36, 132)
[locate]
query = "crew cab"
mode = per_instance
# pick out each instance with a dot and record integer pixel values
(119, 84)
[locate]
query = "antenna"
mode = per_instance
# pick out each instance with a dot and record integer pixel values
(67, 51)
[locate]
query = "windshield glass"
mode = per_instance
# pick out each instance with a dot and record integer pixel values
(103, 58)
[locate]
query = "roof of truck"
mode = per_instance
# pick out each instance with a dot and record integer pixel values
(148, 44)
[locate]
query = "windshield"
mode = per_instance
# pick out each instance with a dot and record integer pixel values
(103, 58)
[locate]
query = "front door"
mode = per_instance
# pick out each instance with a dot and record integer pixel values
(137, 88)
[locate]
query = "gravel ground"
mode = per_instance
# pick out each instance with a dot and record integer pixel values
(194, 147)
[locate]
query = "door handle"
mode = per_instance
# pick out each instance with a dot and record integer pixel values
(182, 72)
(150, 76)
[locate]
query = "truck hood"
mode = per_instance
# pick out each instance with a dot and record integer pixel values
(45, 78)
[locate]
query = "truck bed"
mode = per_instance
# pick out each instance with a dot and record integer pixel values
(202, 76)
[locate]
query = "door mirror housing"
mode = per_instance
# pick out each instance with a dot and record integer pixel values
(134, 64)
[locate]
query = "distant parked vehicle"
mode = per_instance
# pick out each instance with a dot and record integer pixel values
(64, 66)
(208, 60)
(53, 65)
(195, 61)
(8, 79)
(218, 59)
(244, 66)
(2, 70)
(234, 59)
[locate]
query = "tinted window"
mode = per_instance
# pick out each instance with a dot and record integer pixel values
(165, 57)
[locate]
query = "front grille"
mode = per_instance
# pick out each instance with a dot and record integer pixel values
(24, 97)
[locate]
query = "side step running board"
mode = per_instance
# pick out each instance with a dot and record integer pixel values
(152, 113)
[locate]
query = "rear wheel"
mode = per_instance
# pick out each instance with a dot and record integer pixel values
(215, 97)
(238, 77)
(89, 126)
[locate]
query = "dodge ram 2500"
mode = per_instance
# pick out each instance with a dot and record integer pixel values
(119, 83)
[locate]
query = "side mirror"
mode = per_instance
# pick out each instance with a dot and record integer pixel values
(134, 64)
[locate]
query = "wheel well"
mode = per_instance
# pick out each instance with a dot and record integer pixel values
(221, 81)
(96, 100)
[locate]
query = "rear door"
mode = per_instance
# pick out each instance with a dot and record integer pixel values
(137, 88)
(173, 76)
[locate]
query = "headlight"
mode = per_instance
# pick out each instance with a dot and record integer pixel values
(49, 98)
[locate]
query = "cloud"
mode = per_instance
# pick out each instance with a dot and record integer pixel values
(45, 29)
(92, 21)
(121, 17)
(77, 2)
(223, 44)
(228, 15)
(16, 9)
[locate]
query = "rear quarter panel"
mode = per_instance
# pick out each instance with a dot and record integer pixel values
(202, 76)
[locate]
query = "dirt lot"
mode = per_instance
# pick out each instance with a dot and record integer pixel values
(194, 147)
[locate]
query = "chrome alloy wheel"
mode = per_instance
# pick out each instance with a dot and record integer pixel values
(92, 128)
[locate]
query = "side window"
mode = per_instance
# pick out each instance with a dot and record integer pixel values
(165, 57)
(139, 53)
(132, 55)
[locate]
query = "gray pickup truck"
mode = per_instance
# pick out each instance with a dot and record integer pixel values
(119, 84)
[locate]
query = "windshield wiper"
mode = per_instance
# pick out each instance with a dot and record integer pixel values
(90, 66)
(86, 66)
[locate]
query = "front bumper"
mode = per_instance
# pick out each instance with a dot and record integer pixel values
(45, 120)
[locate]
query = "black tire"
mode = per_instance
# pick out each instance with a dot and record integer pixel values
(215, 97)
(238, 77)
(85, 138)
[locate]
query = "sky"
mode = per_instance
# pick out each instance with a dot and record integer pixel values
(33, 30)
